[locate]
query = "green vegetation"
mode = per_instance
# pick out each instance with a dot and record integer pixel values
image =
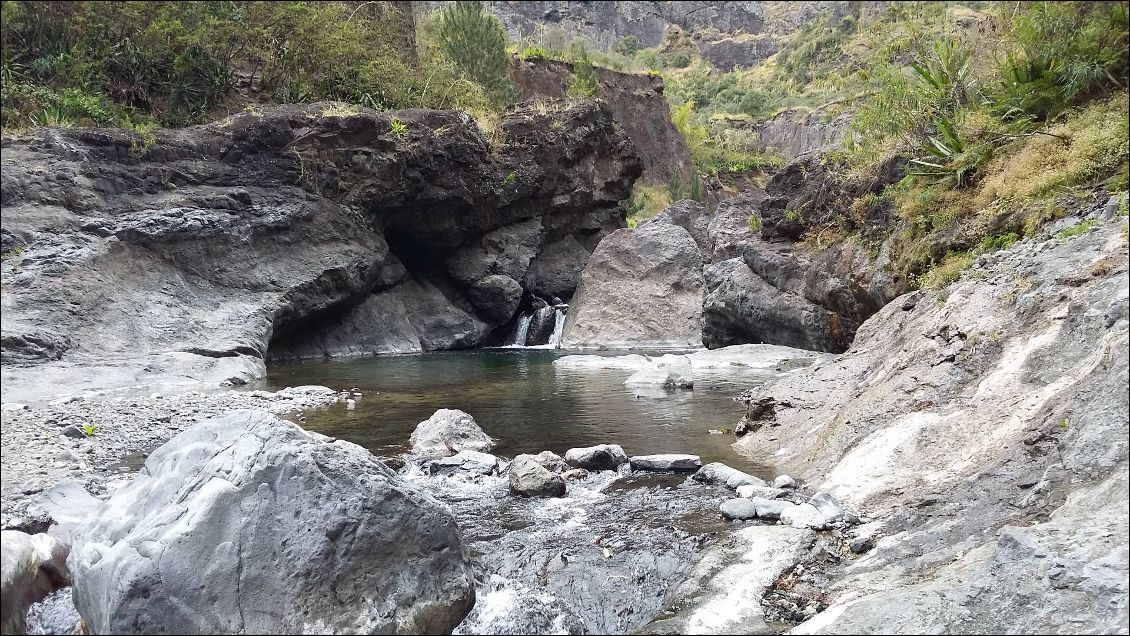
(475, 40)
(89, 429)
(646, 201)
(946, 272)
(140, 64)
(584, 79)
(1076, 230)
(397, 127)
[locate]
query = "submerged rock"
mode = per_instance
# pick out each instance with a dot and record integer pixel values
(721, 474)
(447, 432)
(33, 565)
(528, 478)
(247, 524)
(600, 457)
(669, 462)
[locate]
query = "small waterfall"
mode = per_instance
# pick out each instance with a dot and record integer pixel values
(522, 330)
(558, 329)
(541, 327)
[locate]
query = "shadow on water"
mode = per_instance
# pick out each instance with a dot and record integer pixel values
(519, 398)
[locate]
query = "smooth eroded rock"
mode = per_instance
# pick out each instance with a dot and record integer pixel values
(600, 457)
(670, 373)
(248, 524)
(33, 565)
(447, 432)
(720, 474)
(739, 508)
(765, 492)
(667, 462)
(466, 461)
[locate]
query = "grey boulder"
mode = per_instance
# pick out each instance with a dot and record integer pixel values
(770, 508)
(528, 478)
(33, 565)
(599, 457)
(467, 461)
(551, 461)
(641, 287)
(784, 481)
(739, 508)
(803, 516)
(831, 509)
(719, 474)
(447, 432)
(670, 373)
(765, 492)
(667, 462)
(248, 524)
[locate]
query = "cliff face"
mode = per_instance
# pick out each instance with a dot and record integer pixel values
(984, 430)
(200, 256)
(637, 104)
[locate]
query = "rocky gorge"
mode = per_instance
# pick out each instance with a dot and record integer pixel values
(319, 368)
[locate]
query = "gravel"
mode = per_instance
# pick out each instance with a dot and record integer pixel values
(93, 441)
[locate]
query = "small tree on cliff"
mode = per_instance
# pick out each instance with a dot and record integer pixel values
(474, 39)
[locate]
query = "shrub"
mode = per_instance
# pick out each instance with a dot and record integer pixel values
(473, 38)
(584, 80)
(679, 59)
(946, 272)
(1078, 229)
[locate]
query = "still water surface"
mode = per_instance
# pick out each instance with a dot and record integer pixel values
(523, 401)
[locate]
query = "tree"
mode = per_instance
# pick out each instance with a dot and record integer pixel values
(475, 41)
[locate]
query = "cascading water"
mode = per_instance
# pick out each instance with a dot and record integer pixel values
(558, 329)
(521, 330)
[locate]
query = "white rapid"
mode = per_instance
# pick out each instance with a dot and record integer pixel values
(521, 331)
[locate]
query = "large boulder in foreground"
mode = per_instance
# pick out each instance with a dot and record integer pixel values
(641, 288)
(247, 524)
(447, 432)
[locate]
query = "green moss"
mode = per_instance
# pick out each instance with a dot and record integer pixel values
(1076, 230)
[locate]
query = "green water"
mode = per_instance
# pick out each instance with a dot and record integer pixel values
(521, 400)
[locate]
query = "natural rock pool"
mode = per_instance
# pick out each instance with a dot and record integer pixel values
(526, 403)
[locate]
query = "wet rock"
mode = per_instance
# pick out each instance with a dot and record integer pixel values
(764, 492)
(551, 461)
(641, 287)
(720, 474)
(832, 510)
(600, 457)
(33, 566)
(574, 474)
(803, 516)
(784, 481)
(495, 297)
(466, 461)
(670, 462)
(447, 432)
(770, 508)
(557, 268)
(859, 545)
(528, 478)
(277, 515)
(740, 508)
(669, 373)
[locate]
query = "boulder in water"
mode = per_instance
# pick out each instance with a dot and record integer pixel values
(248, 524)
(739, 508)
(551, 461)
(765, 492)
(600, 457)
(528, 478)
(722, 475)
(669, 372)
(467, 461)
(447, 432)
(668, 462)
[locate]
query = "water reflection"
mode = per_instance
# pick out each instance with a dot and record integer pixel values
(524, 402)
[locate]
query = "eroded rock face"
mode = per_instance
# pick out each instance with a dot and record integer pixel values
(641, 288)
(198, 257)
(33, 566)
(247, 524)
(985, 428)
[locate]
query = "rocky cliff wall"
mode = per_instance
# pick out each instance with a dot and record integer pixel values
(983, 430)
(197, 257)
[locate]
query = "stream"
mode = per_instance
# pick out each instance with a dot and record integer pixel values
(605, 558)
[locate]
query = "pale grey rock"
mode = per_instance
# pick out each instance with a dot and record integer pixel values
(767, 508)
(667, 462)
(468, 461)
(832, 510)
(640, 288)
(739, 508)
(669, 373)
(599, 457)
(551, 461)
(784, 481)
(764, 492)
(447, 432)
(287, 532)
(803, 516)
(720, 474)
(529, 478)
